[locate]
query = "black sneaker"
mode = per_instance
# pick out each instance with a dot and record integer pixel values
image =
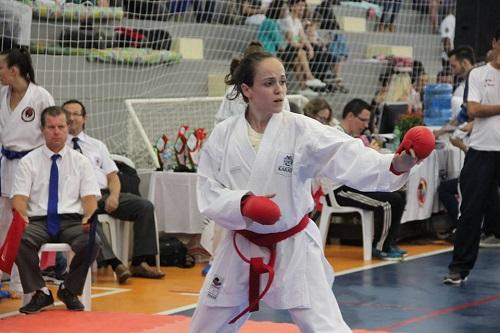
(454, 278)
(40, 301)
(72, 302)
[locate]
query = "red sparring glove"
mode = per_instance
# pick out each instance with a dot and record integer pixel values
(260, 209)
(420, 139)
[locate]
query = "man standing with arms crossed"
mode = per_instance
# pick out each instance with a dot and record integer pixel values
(481, 171)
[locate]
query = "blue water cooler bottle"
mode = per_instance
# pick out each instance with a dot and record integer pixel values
(437, 104)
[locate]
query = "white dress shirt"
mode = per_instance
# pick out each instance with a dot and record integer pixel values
(98, 155)
(76, 180)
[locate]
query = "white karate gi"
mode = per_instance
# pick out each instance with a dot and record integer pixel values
(212, 234)
(293, 151)
(19, 131)
(20, 128)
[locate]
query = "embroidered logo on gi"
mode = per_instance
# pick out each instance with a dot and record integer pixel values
(215, 287)
(28, 114)
(285, 164)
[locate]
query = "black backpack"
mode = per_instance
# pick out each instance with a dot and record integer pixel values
(173, 252)
(129, 178)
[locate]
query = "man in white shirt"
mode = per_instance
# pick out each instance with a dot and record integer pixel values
(124, 206)
(462, 60)
(481, 171)
(56, 191)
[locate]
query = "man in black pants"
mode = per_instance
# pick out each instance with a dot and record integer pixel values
(388, 207)
(481, 171)
(56, 190)
(124, 206)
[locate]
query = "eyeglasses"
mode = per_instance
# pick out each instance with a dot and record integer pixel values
(363, 119)
(322, 120)
(74, 114)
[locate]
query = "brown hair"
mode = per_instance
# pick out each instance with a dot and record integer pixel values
(312, 108)
(20, 57)
(244, 73)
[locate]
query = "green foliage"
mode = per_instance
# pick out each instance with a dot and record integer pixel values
(407, 121)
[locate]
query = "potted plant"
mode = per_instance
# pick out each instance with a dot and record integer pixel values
(407, 121)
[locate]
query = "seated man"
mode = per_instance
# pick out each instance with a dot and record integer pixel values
(56, 190)
(124, 206)
(388, 207)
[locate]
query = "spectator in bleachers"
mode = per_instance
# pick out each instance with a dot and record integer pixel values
(326, 16)
(203, 10)
(419, 79)
(447, 31)
(400, 88)
(445, 76)
(254, 11)
(323, 60)
(21, 103)
(388, 207)
(100, 3)
(270, 34)
(124, 206)
(390, 9)
(299, 44)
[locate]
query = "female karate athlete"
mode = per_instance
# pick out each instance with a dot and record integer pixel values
(21, 103)
(254, 179)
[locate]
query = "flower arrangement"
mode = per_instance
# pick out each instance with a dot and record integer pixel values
(407, 121)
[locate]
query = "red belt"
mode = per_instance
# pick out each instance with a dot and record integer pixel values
(257, 265)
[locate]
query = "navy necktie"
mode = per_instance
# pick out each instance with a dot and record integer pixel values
(76, 146)
(52, 216)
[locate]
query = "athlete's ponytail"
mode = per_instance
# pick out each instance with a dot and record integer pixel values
(20, 57)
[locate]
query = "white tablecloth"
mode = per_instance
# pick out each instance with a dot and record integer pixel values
(174, 193)
(421, 195)
(174, 197)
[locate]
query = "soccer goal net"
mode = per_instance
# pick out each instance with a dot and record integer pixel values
(149, 119)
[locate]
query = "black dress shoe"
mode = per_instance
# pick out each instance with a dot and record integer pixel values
(72, 302)
(39, 302)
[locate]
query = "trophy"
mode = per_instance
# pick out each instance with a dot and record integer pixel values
(159, 147)
(182, 156)
(194, 144)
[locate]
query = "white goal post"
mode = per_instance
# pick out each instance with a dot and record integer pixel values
(149, 118)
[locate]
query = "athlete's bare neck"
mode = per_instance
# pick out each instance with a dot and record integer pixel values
(258, 121)
(17, 92)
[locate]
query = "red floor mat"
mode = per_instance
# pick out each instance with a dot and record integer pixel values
(59, 321)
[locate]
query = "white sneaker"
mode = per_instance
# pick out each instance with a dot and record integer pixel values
(315, 83)
(308, 93)
(490, 242)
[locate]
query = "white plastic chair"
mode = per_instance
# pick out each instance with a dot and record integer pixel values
(120, 231)
(366, 222)
(86, 297)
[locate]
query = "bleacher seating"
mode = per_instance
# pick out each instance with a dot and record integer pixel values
(95, 83)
